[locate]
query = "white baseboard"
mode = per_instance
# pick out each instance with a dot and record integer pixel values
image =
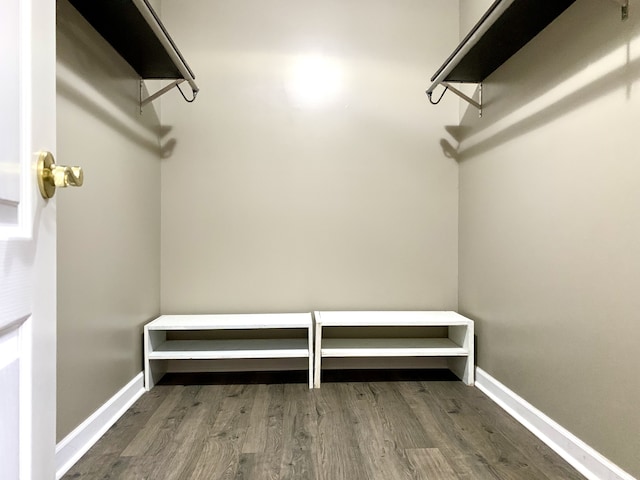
(574, 451)
(78, 442)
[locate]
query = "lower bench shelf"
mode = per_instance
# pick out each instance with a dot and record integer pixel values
(221, 349)
(158, 349)
(391, 347)
(457, 346)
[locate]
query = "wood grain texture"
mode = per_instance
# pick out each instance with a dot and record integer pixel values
(299, 434)
(186, 445)
(430, 463)
(385, 459)
(338, 453)
(348, 430)
(154, 431)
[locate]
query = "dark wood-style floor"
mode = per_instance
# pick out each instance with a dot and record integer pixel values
(356, 427)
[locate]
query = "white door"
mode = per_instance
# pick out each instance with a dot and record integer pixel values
(27, 241)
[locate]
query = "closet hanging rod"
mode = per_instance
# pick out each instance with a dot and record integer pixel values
(472, 38)
(506, 27)
(163, 36)
(137, 34)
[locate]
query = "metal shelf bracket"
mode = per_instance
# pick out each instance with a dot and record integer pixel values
(624, 9)
(495, 39)
(466, 98)
(162, 91)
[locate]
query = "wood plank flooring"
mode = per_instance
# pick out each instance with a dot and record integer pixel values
(358, 426)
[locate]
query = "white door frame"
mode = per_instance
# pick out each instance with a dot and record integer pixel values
(28, 243)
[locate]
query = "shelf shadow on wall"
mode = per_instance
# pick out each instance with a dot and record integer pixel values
(167, 146)
(91, 76)
(108, 113)
(497, 134)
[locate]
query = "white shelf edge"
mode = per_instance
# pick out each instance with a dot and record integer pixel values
(399, 352)
(230, 349)
(231, 322)
(391, 347)
(235, 355)
(443, 318)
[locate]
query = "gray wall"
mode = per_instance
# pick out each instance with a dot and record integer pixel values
(108, 230)
(549, 226)
(470, 13)
(273, 202)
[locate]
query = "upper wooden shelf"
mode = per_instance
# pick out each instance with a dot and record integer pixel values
(502, 36)
(504, 29)
(135, 31)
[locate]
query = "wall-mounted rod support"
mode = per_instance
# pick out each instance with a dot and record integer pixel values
(160, 92)
(171, 49)
(624, 8)
(466, 98)
(494, 13)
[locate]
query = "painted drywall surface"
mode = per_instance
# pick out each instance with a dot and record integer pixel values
(307, 173)
(108, 230)
(549, 226)
(470, 13)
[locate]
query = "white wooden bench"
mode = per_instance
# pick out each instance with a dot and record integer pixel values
(457, 346)
(158, 349)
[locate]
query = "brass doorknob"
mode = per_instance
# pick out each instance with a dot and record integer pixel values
(51, 175)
